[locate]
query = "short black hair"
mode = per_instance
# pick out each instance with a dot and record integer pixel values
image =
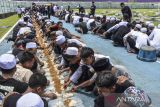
(37, 80)
(102, 64)
(59, 22)
(26, 19)
(81, 19)
(106, 80)
(25, 56)
(73, 44)
(8, 71)
(86, 52)
(122, 4)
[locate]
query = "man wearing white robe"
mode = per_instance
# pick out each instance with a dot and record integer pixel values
(154, 38)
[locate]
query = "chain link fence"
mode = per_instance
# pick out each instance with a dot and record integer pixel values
(7, 6)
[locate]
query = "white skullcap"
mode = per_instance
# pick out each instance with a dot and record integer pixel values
(22, 22)
(151, 25)
(143, 30)
(48, 23)
(58, 33)
(60, 40)
(76, 41)
(30, 100)
(112, 19)
(71, 51)
(148, 22)
(108, 18)
(158, 26)
(31, 45)
(7, 61)
(138, 26)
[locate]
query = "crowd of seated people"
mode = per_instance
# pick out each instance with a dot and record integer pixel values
(22, 71)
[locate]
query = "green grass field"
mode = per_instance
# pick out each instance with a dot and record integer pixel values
(143, 14)
(7, 23)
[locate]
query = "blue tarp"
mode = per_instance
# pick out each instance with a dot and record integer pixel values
(145, 74)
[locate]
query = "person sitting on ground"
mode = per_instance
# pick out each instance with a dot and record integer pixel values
(61, 46)
(16, 30)
(23, 72)
(73, 57)
(115, 27)
(85, 18)
(32, 48)
(23, 30)
(26, 19)
(85, 69)
(75, 19)
(110, 87)
(33, 100)
(82, 27)
(103, 19)
(134, 93)
(37, 84)
(154, 39)
(111, 21)
(142, 39)
(103, 65)
(150, 28)
(57, 26)
(120, 33)
(7, 82)
(91, 23)
(130, 39)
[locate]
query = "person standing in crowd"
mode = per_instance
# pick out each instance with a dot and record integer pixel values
(126, 11)
(92, 9)
(81, 9)
(19, 11)
(49, 11)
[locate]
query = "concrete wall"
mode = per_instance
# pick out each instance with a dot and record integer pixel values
(5, 15)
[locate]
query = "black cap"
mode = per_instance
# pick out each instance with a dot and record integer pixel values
(102, 64)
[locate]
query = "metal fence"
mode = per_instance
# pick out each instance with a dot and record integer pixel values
(10, 5)
(7, 6)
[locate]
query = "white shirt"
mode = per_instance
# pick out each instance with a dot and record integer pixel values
(29, 24)
(89, 22)
(133, 34)
(18, 10)
(23, 9)
(119, 71)
(62, 7)
(55, 8)
(76, 41)
(155, 38)
(76, 19)
(23, 30)
(66, 17)
(85, 19)
(22, 74)
(77, 74)
(123, 23)
(141, 40)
